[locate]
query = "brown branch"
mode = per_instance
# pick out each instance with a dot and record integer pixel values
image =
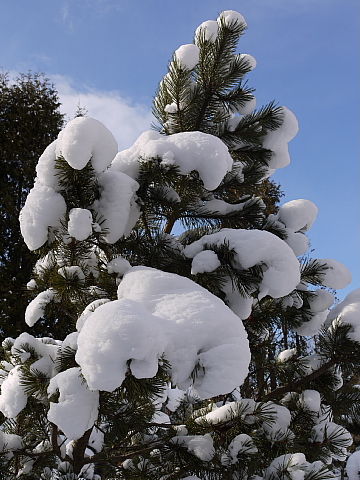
(299, 384)
(79, 451)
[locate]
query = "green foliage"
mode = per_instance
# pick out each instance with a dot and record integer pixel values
(29, 121)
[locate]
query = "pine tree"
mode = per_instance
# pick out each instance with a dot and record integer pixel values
(205, 355)
(29, 121)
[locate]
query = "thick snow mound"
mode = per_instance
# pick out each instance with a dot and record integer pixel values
(44, 208)
(116, 206)
(160, 313)
(199, 151)
(277, 140)
(298, 214)
(188, 55)
(115, 333)
(77, 407)
(257, 247)
(85, 138)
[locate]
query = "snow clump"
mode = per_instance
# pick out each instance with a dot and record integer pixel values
(160, 313)
(200, 445)
(209, 29)
(85, 138)
(199, 151)
(336, 274)
(277, 140)
(35, 310)
(77, 407)
(117, 205)
(80, 223)
(231, 16)
(254, 247)
(348, 311)
(13, 399)
(205, 261)
(353, 466)
(188, 55)
(43, 208)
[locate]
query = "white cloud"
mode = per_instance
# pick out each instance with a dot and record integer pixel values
(125, 118)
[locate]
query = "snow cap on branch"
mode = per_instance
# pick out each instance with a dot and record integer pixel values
(80, 223)
(298, 214)
(44, 208)
(85, 138)
(181, 319)
(231, 16)
(187, 55)
(209, 29)
(277, 140)
(77, 407)
(199, 151)
(281, 272)
(348, 311)
(336, 275)
(117, 206)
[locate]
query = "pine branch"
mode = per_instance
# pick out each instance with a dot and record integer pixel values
(296, 386)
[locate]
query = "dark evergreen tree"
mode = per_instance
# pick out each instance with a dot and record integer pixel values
(29, 120)
(208, 355)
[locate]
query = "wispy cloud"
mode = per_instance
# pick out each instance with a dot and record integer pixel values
(124, 118)
(66, 18)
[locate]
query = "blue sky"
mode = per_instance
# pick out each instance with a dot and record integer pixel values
(111, 54)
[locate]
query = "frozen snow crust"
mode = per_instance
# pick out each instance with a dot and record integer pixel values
(162, 314)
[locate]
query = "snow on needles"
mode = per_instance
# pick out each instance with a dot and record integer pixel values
(255, 247)
(160, 313)
(83, 139)
(199, 151)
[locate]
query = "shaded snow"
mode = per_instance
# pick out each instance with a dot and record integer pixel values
(12, 398)
(77, 407)
(80, 223)
(116, 206)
